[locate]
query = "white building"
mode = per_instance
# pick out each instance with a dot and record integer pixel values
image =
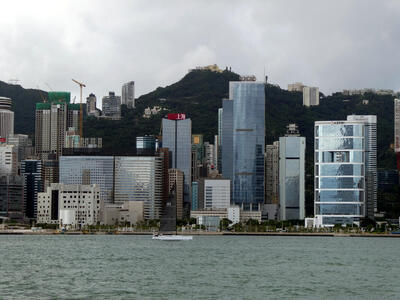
(8, 160)
(234, 214)
(72, 205)
(128, 94)
(310, 96)
(6, 118)
(217, 193)
(130, 212)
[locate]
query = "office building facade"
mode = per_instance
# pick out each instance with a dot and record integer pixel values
(31, 171)
(111, 106)
(292, 177)
(340, 168)
(86, 170)
(177, 137)
(217, 193)
(248, 99)
(176, 183)
(140, 178)
(12, 197)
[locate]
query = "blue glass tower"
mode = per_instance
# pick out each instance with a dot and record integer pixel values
(248, 132)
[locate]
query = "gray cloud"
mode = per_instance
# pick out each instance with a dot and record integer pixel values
(333, 45)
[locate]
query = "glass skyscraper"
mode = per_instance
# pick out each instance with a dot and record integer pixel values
(339, 172)
(248, 132)
(227, 139)
(89, 170)
(291, 177)
(140, 178)
(177, 137)
(31, 171)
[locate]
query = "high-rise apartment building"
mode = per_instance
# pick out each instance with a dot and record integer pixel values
(91, 108)
(397, 127)
(295, 87)
(292, 175)
(31, 171)
(344, 156)
(176, 182)
(248, 137)
(310, 96)
(86, 170)
(140, 178)
(272, 180)
(128, 94)
(52, 122)
(6, 117)
(177, 137)
(111, 105)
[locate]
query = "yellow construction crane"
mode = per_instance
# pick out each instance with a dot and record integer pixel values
(81, 85)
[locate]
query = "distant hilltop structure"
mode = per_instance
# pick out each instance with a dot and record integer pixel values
(212, 68)
(295, 87)
(369, 90)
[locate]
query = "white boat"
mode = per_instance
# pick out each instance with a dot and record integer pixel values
(172, 237)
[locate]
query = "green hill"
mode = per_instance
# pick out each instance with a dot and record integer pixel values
(23, 105)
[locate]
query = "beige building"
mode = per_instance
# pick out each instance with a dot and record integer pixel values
(8, 160)
(176, 178)
(295, 87)
(131, 212)
(242, 215)
(72, 205)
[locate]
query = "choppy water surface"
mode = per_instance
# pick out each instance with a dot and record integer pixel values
(213, 267)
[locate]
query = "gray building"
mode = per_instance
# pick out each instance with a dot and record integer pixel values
(12, 197)
(128, 94)
(310, 96)
(227, 139)
(146, 145)
(271, 206)
(177, 137)
(140, 178)
(248, 98)
(291, 175)
(89, 170)
(111, 105)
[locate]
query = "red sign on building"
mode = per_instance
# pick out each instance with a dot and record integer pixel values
(176, 116)
(2, 140)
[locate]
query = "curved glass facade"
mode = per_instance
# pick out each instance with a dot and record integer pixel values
(339, 171)
(248, 142)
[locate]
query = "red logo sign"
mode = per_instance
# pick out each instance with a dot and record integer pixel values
(2, 140)
(176, 116)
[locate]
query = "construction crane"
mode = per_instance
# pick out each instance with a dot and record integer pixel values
(81, 85)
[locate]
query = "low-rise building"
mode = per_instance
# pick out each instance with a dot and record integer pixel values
(130, 212)
(71, 205)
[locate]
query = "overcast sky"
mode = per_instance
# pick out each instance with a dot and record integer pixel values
(330, 44)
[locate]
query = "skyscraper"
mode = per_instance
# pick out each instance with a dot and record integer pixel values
(6, 117)
(272, 180)
(291, 174)
(128, 94)
(227, 139)
(12, 197)
(140, 178)
(31, 171)
(248, 101)
(177, 137)
(176, 182)
(342, 161)
(397, 130)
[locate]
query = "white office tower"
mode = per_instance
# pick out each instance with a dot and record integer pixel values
(8, 160)
(6, 117)
(217, 193)
(397, 125)
(310, 96)
(291, 174)
(70, 205)
(345, 158)
(128, 94)
(371, 175)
